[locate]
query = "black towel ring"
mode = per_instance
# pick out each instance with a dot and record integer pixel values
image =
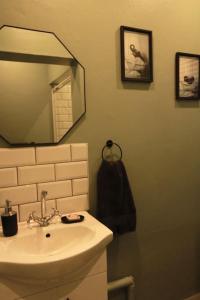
(109, 145)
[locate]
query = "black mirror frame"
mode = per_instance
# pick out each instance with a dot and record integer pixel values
(76, 122)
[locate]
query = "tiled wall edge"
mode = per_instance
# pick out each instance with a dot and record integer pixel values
(9, 157)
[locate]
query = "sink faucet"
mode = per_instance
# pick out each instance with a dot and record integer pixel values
(44, 220)
(43, 203)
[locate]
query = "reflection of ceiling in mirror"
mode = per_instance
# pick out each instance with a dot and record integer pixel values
(31, 42)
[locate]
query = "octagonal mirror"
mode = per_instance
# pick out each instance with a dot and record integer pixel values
(42, 87)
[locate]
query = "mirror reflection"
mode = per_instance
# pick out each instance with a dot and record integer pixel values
(42, 92)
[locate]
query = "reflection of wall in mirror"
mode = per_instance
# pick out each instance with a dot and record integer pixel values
(25, 102)
(31, 41)
(77, 86)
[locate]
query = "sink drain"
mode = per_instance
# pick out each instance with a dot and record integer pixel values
(48, 235)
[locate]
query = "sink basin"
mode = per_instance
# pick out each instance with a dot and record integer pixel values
(40, 254)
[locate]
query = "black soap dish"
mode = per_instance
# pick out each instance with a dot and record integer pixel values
(72, 218)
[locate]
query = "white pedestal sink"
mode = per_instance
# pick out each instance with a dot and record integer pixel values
(41, 254)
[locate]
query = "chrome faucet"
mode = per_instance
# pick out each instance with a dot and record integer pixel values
(44, 220)
(43, 203)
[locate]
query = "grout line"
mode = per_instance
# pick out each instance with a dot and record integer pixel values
(37, 192)
(19, 213)
(17, 170)
(35, 155)
(55, 179)
(72, 187)
(70, 149)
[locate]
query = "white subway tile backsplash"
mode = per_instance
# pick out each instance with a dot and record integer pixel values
(71, 170)
(64, 125)
(64, 118)
(63, 111)
(73, 204)
(69, 103)
(53, 154)
(80, 186)
(58, 189)
(60, 170)
(12, 157)
(36, 174)
(58, 96)
(18, 194)
(50, 204)
(79, 152)
(66, 96)
(26, 209)
(16, 208)
(62, 103)
(8, 177)
(61, 131)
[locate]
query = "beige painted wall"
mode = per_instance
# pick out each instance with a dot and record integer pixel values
(159, 136)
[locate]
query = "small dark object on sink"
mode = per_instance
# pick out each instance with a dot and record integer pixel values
(73, 218)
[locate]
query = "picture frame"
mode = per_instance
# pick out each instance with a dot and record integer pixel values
(136, 54)
(187, 76)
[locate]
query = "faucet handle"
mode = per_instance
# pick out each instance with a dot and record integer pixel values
(55, 216)
(56, 212)
(30, 218)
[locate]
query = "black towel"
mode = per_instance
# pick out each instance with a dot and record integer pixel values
(115, 204)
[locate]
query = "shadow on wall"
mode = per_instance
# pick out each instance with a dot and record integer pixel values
(187, 104)
(123, 259)
(117, 295)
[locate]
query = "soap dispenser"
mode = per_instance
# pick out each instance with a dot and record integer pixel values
(9, 220)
